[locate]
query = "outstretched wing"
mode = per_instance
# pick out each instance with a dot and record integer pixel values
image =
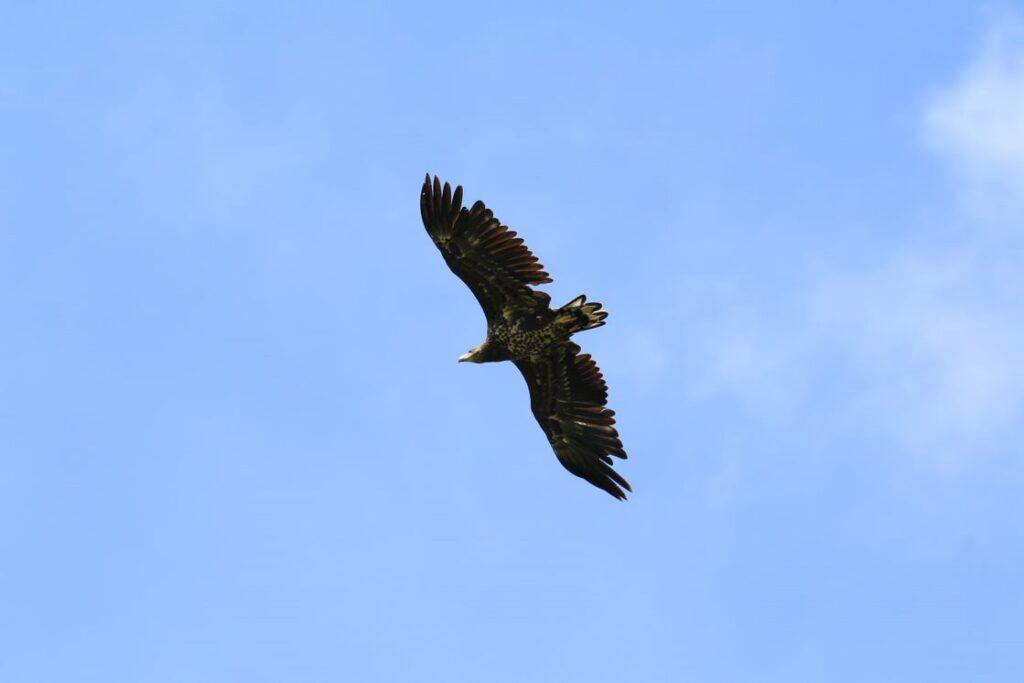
(568, 397)
(486, 255)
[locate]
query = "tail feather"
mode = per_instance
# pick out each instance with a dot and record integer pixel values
(579, 315)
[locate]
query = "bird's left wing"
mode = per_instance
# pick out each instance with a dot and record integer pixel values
(495, 264)
(568, 395)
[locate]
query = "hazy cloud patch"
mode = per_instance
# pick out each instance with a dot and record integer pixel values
(924, 350)
(978, 121)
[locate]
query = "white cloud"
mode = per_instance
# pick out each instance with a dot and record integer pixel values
(925, 350)
(941, 362)
(978, 121)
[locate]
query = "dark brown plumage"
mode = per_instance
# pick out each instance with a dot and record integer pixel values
(568, 394)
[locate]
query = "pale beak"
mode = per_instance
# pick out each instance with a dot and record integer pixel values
(464, 357)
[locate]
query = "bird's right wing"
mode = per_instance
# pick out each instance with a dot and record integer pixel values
(495, 264)
(568, 397)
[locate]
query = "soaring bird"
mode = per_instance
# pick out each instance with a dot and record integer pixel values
(568, 394)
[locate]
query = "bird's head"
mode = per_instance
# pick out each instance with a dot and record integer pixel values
(473, 355)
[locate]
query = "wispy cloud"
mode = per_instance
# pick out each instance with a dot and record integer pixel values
(940, 362)
(925, 349)
(978, 121)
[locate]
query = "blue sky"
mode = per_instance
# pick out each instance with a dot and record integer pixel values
(235, 441)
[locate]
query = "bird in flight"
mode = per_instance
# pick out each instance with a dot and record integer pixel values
(568, 394)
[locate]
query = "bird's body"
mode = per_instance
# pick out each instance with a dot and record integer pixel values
(528, 334)
(567, 391)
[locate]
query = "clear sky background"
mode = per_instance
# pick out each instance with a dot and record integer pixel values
(235, 444)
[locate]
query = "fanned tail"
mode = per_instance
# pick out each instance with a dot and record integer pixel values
(578, 315)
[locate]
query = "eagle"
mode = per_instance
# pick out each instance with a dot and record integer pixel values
(568, 394)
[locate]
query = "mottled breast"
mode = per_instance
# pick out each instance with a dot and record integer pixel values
(522, 341)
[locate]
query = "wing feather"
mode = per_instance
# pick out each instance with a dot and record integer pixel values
(492, 260)
(568, 396)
